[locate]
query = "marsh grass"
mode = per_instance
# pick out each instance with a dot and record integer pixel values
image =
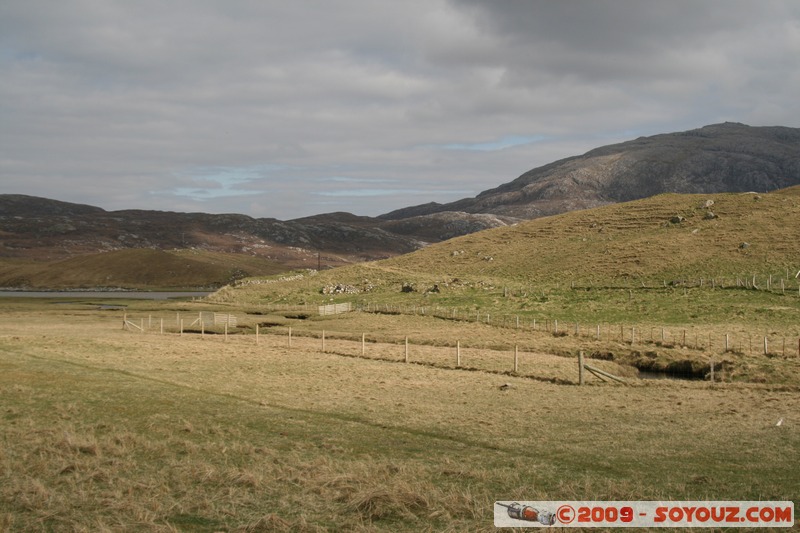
(107, 430)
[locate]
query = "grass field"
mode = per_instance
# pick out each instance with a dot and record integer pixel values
(106, 429)
(109, 429)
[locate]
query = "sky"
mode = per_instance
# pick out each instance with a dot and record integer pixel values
(286, 109)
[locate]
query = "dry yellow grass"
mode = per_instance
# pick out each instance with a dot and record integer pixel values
(106, 429)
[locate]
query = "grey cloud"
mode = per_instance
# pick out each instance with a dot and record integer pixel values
(124, 104)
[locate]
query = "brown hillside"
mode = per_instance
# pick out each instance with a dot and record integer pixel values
(727, 157)
(136, 268)
(739, 233)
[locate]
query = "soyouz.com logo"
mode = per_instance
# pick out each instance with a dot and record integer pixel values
(644, 514)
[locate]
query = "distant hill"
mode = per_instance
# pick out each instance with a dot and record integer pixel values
(49, 243)
(666, 238)
(714, 159)
(727, 157)
(136, 268)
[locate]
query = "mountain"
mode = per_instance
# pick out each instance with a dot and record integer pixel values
(665, 239)
(719, 158)
(727, 157)
(50, 233)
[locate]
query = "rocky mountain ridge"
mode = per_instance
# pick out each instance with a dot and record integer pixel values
(45, 229)
(727, 157)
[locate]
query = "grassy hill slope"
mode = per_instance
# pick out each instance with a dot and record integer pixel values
(664, 238)
(137, 269)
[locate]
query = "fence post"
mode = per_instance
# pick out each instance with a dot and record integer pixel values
(726, 343)
(516, 358)
(226, 332)
(256, 334)
(181, 328)
(323, 340)
(162, 326)
(458, 352)
(363, 348)
(580, 367)
(406, 349)
(712, 371)
(141, 325)
(290, 338)
(766, 346)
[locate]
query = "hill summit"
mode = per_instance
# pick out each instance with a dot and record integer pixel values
(728, 157)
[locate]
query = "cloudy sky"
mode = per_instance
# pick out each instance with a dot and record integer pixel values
(291, 108)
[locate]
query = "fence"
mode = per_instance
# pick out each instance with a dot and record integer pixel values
(335, 309)
(527, 360)
(513, 362)
(203, 319)
(657, 336)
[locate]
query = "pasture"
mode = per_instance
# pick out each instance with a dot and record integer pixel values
(106, 429)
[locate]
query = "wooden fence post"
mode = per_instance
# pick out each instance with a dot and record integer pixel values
(363, 347)
(766, 346)
(256, 334)
(162, 326)
(406, 349)
(712, 371)
(141, 325)
(516, 358)
(458, 354)
(323, 340)
(580, 367)
(181, 328)
(226, 332)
